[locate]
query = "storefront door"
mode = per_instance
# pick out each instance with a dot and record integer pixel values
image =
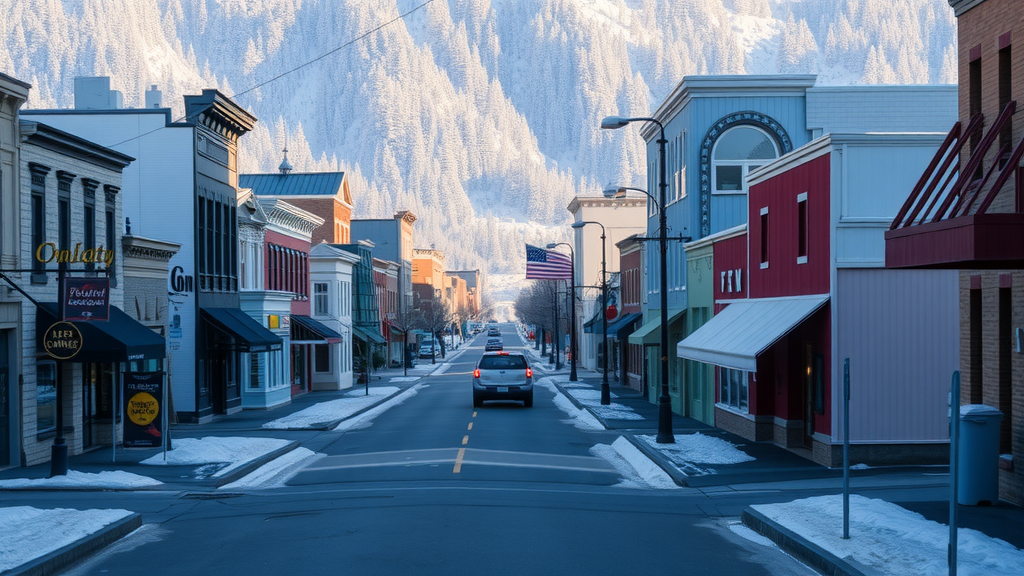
(299, 379)
(5, 403)
(98, 393)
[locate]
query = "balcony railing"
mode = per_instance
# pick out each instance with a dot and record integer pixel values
(943, 224)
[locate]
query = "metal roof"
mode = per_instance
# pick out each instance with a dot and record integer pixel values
(291, 184)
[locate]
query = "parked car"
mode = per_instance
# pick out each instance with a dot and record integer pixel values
(494, 344)
(428, 349)
(503, 376)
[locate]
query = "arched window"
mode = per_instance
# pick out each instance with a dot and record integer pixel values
(738, 151)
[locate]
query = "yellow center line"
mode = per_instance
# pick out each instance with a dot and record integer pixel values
(458, 461)
(465, 440)
(474, 413)
(470, 426)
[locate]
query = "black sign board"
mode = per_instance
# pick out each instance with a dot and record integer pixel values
(87, 299)
(62, 340)
(143, 396)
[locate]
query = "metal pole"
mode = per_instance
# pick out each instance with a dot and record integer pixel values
(573, 377)
(606, 394)
(846, 449)
(665, 434)
(557, 348)
(59, 449)
(552, 358)
(115, 383)
(954, 461)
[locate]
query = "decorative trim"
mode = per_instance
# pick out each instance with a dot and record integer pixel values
(974, 54)
(1006, 280)
(89, 187)
(976, 282)
(110, 192)
(1005, 40)
(744, 118)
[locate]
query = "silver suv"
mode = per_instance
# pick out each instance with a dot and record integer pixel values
(503, 376)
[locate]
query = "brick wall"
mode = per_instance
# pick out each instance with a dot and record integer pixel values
(988, 391)
(983, 30)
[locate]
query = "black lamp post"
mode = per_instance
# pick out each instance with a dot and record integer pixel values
(606, 395)
(665, 435)
(572, 300)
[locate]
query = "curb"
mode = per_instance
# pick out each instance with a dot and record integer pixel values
(331, 425)
(254, 464)
(807, 552)
(653, 455)
(667, 466)
(57, 560)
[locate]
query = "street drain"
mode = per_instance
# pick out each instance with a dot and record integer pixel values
(209, 495)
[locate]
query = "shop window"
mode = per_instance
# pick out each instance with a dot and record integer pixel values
(257, 365)
(46, 396)
(1006, 334)
(733, 388)
(974, 105)
(764, 237)
(738, 151)
(976, 386)
(1005, 86)
(801, 228)
(38, 225)
(322, 358)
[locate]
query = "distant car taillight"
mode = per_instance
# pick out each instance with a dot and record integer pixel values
(476, 373)
(529, 372)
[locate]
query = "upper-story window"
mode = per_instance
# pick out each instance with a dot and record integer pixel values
(320, 301)
(738, 151)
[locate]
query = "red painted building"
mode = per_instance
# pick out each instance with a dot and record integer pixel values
(286, 269)
(805, 288)
(630, 357)
(385, 283)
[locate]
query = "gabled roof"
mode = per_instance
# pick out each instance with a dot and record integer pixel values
(320, 184)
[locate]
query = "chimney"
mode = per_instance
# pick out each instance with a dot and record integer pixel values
(154, 97)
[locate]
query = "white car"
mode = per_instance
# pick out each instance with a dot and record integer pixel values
(503, 376)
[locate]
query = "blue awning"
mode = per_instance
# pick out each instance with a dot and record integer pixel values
(624, 326)
(247, 334)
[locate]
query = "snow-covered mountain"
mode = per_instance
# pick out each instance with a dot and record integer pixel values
(481, 116)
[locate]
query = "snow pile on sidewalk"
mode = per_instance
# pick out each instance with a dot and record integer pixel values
(580, 417)
(324, 413)
(109, 480)
(221, 454)
(895, 541)
(638, 471)
(29, 533)
(591, 398)
(692, 449)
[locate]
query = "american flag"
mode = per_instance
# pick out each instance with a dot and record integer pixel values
(544, 264)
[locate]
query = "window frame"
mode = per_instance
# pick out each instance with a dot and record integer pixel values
(765, 237)
(803, 240)
(745, 165)
(734, 389)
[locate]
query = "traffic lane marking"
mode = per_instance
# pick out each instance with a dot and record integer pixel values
(496, 458)
(458, 461)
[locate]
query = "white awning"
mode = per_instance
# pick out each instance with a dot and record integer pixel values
(735, 336)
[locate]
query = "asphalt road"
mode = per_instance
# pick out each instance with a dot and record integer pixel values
(435, 486)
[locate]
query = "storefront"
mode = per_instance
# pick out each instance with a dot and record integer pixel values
(109, 348)
(313, 345)
(228, 334)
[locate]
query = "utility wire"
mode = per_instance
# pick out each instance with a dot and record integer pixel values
(297, 68)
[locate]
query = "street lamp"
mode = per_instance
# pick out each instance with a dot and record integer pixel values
(606, 395)
(572, 334)
(665, 435)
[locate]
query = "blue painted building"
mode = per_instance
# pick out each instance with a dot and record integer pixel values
(720, 128)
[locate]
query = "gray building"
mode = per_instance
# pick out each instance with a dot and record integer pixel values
(392, 240)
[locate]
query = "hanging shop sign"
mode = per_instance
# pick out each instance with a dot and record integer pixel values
(143, 392)
(87, 299)
(62, 340)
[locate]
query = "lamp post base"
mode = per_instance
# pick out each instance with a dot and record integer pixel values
(606, 394)
(665, 434)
